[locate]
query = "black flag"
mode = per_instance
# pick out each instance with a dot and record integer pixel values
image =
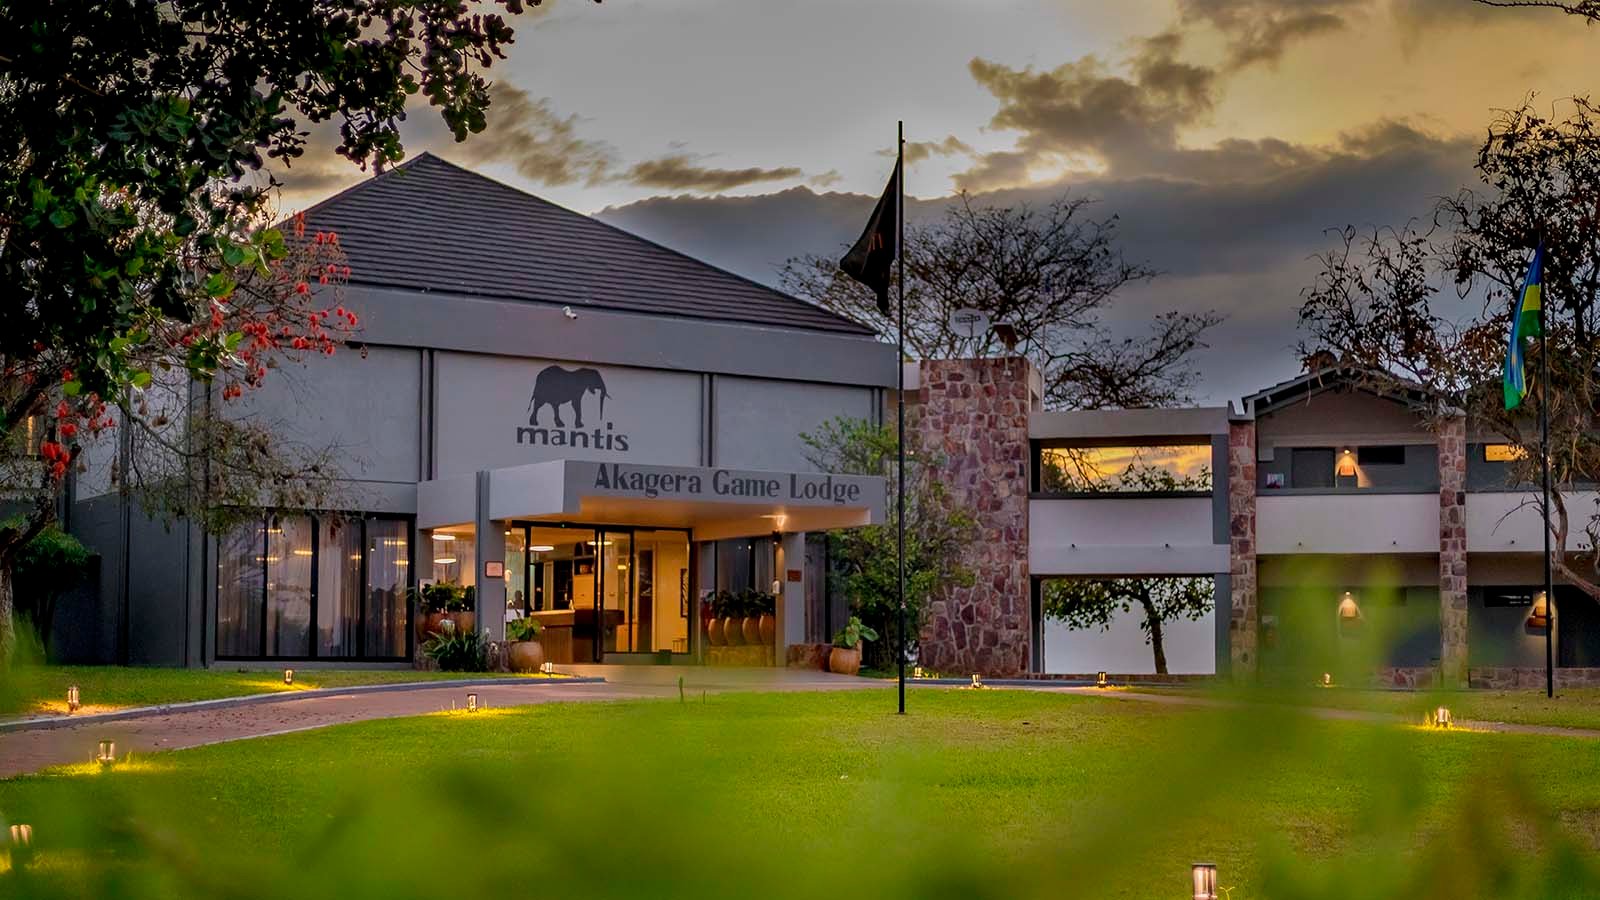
(872, 257)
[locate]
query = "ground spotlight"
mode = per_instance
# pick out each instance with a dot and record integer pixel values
(106, 754)
(1441, 718)
(1205, 880)
(21, 845)
(72, 699)
(1101, 680)
(288, 676)
(977, 680)
(472, 702)
(548, 668)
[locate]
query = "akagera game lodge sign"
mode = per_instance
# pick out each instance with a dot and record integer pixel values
(653, 482)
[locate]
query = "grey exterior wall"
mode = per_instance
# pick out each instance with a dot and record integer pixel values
(443, 387)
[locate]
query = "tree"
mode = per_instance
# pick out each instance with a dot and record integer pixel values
(1049, 275)
(133, 252)
(865, 559)
(1096, 602)
(47, 567)
(1587, 9)
(1431, 307)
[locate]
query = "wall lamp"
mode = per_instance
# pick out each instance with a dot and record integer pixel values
(1539, 615)
(1347, 464)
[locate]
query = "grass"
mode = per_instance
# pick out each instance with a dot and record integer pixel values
(976, 794)
(1571, 708)
(34, 690)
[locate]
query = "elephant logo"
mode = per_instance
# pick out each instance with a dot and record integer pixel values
(556, 387)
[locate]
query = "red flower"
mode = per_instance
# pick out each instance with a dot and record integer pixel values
(68, 430)
(302, 287)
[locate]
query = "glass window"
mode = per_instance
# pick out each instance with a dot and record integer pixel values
(339, 587)
(1125, 469)
(517, 602)
(289, 586)
(301, 587)
(239, 599)
(1311, 467)
(455, 554)
(388, 575)
(661, 586)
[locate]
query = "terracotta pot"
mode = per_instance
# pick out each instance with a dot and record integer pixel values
(714, 633)
(752, 631)
(732, 631)
(526, 656)
(769, 628)
(419, 624)
(845, 662)
(466, 621)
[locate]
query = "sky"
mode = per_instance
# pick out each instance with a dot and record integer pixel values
(1226, 136)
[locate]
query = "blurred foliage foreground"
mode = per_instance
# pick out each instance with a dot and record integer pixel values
(976, 794)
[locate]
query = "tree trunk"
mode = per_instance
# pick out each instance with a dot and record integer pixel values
(1154, 621)
(8, 633)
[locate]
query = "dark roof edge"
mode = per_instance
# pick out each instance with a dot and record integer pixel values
(1360, 377)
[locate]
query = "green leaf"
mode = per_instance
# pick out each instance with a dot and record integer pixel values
(140, 380)
(219, 285)
(63, 218)
(236, 255)
(231, 342)
(72, 388)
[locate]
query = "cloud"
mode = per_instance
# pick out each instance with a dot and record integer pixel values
(1258, 31)
(681, 171)
(543, 145)
(917, 151)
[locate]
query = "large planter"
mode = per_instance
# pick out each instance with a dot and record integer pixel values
(845, 662)
(714, 633)
(526, 656)
(769, 628)
(732, 631)
(752, 630)
(465, 621)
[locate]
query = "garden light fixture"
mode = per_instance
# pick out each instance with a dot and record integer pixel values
(548, 668)
(1205, 880)
(1441, 718)
(288, 676)
(1100, 680)
(21, 845)
(72, 699)
(916, 672)
(1327, 679)
(107, 753)
(977, 680)
(472, 702)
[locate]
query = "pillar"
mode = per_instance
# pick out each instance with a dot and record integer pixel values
(792, 592)
(491, 546)
(973, 413)
(1244, 616)
(1453, 551)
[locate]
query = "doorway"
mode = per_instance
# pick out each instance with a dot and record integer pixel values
(602, 592)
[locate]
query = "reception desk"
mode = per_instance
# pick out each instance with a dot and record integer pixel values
(570, 635)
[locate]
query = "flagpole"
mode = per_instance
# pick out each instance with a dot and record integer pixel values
(900, 402)
(1544, 458)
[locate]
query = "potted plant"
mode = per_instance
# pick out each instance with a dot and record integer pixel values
(434, 605)
(527, 654)
(768, 623)
(463, 606)
(710, 614)
(455, 650)
(732, 613)
(845, 657)
(750, 607)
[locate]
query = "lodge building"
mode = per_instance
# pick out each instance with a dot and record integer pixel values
(600, 432)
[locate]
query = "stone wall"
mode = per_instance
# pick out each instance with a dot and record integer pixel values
(1244, 618)
(1453, 551)
(974, 413)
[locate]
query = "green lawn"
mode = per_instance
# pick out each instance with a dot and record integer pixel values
(1573, 708)
(43, 689)
(976, 794)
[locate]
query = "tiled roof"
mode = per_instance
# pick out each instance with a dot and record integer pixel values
(430, 225)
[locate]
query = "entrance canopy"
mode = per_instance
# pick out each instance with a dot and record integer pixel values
(715, 503)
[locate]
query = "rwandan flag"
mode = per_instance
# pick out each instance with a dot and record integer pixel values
(1524, 325)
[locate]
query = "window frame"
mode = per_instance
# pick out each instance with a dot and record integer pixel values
(317, 517)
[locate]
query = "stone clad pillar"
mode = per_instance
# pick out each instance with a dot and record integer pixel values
(1245, 616)
(974, 413)
(1453, 551)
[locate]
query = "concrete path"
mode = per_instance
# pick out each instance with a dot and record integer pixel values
(30, 751)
